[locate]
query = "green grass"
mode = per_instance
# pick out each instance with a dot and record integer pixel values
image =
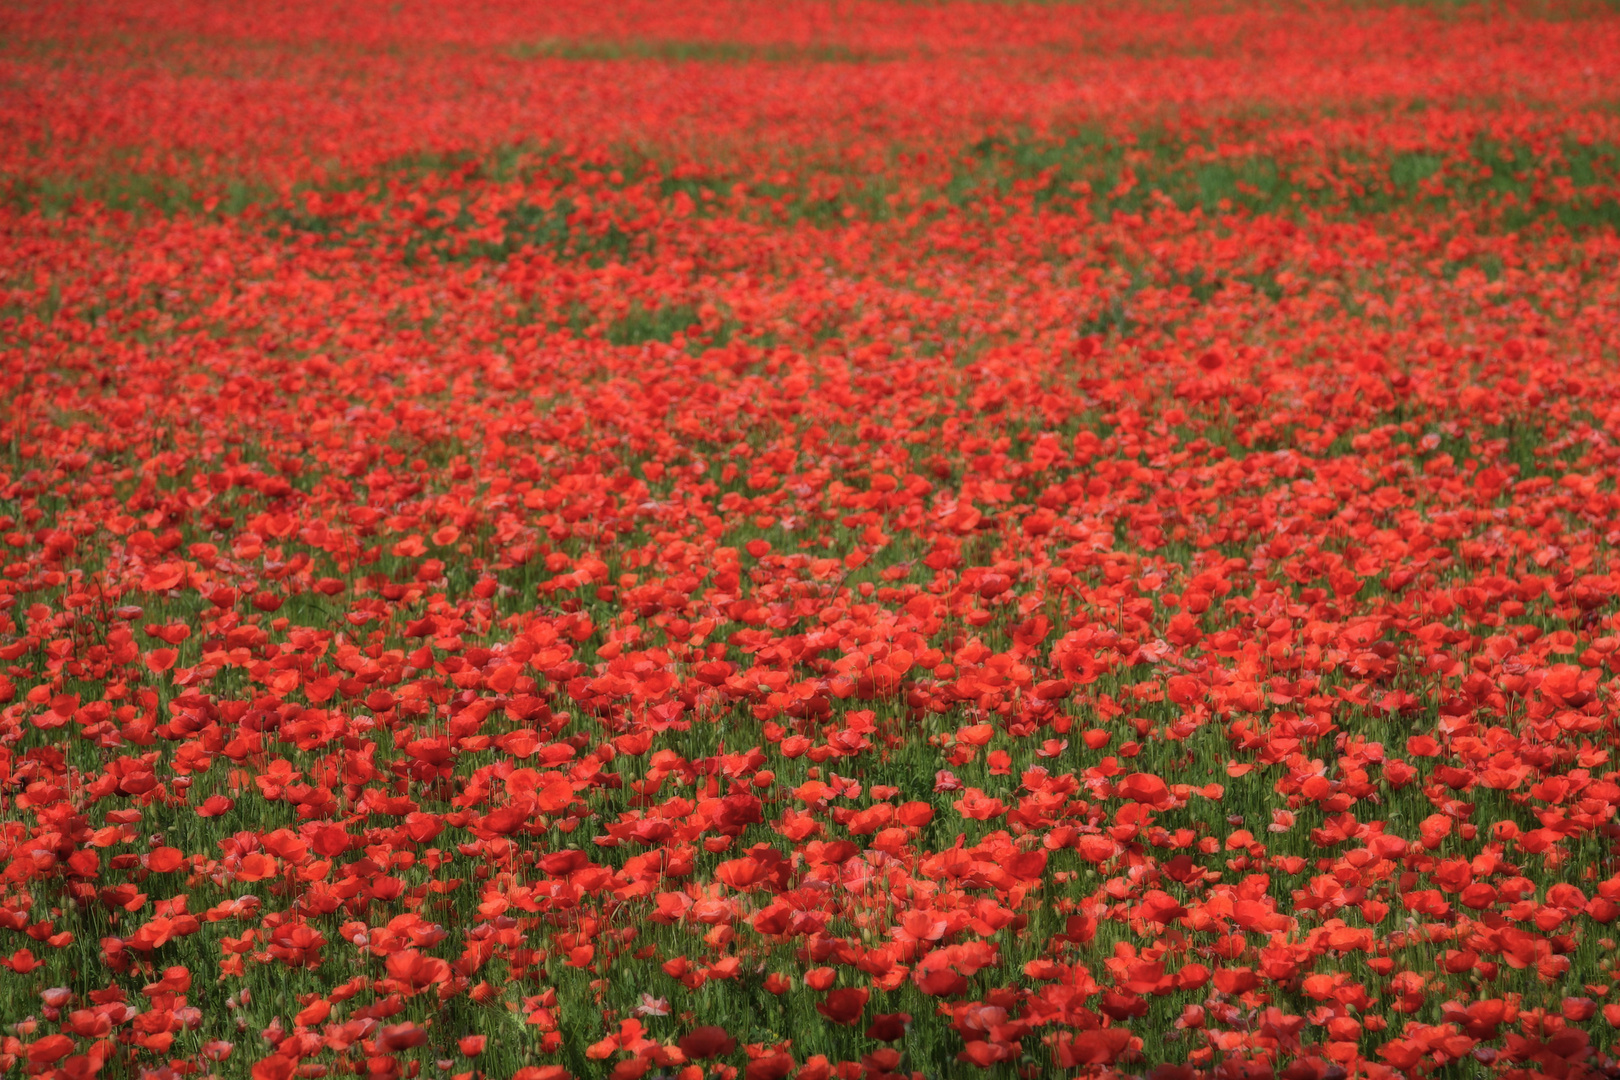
(1505, 187)
(677, 51)
(1157, 163)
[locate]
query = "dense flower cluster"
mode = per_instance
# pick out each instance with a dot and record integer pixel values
(860, 540)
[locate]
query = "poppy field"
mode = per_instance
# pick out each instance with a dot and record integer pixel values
(855, 538)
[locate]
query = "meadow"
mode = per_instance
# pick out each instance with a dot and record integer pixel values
(845, 538)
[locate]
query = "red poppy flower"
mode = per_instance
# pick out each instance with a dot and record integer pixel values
(844, 1005)
(703, 1043)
